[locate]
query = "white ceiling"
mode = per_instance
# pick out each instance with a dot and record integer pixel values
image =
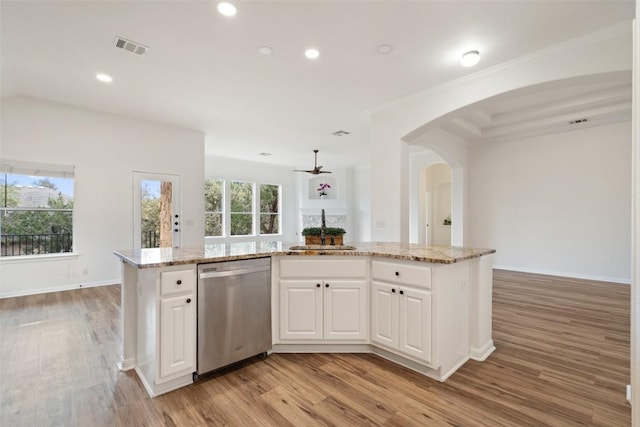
(203, 72)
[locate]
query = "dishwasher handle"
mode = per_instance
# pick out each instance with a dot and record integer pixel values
(226, 273)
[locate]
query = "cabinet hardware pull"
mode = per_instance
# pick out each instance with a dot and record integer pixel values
(401, 292)
(397, 273)
(317, 285)
(179, 282)
(393, 290)
(188, 300)
(326, 285)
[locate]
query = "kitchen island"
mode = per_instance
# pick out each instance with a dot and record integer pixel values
(426, 308)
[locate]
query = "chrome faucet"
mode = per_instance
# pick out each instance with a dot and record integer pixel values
(323, 230)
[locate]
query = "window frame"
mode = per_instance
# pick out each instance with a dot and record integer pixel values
(222, 213)
(251, 212)
(256, 211)
(44, 248)
(278, 214)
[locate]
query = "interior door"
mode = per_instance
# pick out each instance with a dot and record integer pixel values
(156, 210)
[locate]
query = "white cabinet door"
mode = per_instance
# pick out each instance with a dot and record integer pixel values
(414, 312)
(384, 314)
(300, 309)
(177, 335)
(345, 310)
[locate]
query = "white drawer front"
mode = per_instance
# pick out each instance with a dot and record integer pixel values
(404, 274)
(321, 269)
(172, 282)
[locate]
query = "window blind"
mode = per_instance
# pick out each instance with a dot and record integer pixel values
(36, 169)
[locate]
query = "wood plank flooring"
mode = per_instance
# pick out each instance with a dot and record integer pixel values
(562, 359)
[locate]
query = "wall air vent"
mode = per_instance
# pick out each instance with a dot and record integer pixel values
(578, 121)
(340, 133)
(129, 46)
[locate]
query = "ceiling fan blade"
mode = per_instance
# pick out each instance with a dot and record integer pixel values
(316, 169)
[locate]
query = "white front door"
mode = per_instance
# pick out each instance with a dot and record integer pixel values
(156, 210)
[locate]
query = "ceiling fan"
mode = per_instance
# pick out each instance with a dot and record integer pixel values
(316, 169)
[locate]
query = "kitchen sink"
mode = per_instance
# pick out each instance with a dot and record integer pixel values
(322, 248)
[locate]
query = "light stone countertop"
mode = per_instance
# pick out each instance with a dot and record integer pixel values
(218, 252)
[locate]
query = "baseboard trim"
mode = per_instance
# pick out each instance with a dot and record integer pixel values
(26, 292)
(564, 274)
(127, 364)
(481, 354)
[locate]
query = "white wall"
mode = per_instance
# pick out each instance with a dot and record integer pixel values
(556, 204)
(361, 209)
(635, 228)
(240, 170)
(105, 150)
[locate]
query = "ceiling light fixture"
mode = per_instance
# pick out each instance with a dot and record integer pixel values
(265, 50)
(340, 133)
(471, 58)
(104, 78)
(227, 9)
(312, 53)
(384, 49)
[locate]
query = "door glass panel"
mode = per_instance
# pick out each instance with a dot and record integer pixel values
(156, 219)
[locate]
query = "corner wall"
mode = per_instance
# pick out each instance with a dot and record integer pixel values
(556, 204)
(105, 150)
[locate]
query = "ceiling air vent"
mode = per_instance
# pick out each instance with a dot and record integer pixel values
(129, 46)
(578, 121)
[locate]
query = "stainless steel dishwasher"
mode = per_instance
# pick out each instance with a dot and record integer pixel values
(234, 312)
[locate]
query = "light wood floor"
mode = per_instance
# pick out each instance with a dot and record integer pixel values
(562, 358)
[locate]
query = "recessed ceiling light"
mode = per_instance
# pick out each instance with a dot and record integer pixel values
(264, 154)
(265, 50)
(312, 53)
(471, 58)
(384, 49)
(227, 9)
(105, 78)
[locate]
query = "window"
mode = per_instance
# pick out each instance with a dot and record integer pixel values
(36, 209)
(214, 207)
(233, 208)
(241, 208)
(269, 209)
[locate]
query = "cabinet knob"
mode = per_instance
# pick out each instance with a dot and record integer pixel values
(317, 285)
(397, 273)
(326, 285)
(401, 292)
(179, 282)
(188, 300)
(393, 290)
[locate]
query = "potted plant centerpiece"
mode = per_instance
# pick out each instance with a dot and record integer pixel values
(312, 235)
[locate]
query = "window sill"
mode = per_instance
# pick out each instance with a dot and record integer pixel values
(35, 258)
